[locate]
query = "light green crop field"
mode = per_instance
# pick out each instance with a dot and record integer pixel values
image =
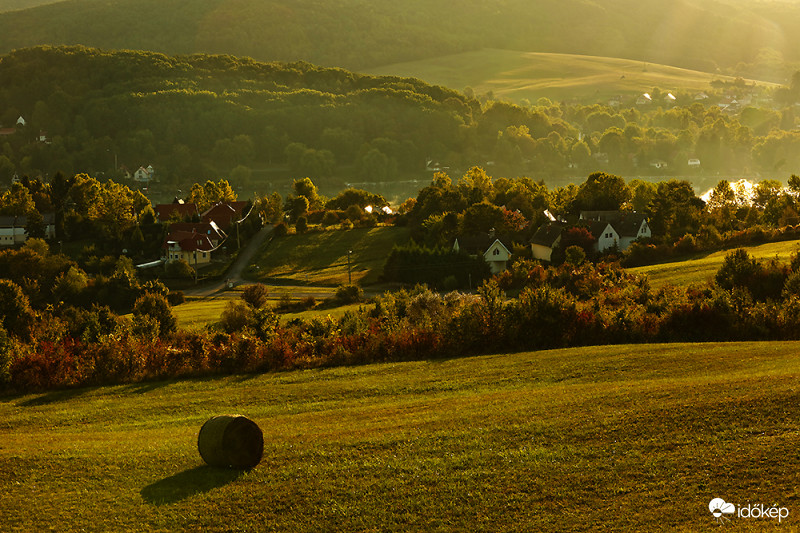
(517, 75)
(613, 438)
(320, 257)
(703, 269)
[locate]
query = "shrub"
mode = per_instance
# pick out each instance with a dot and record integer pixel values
(346, 294)
(301, 226)
(236, 316)
(176, 298)
(157, 307)
(179, 269)
(255, 295)
(280, 229)
(574, 255)
(330, 218)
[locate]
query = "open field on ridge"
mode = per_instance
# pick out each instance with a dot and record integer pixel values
(703, 268)
(320, 258)
(517, 75)
(615, 438)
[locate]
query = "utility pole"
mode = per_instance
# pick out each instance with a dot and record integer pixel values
(349, 276)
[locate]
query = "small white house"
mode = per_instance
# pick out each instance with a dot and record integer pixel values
(144, 175)
(616, 228)
(497, 256)
(494, 252)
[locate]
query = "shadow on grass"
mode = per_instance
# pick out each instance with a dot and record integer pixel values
(52, 397)
(188, 483)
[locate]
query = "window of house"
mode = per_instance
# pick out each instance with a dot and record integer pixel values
(204, 255)
(496, 252)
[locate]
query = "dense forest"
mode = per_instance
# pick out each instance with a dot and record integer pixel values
(203, 117)
(746, 38)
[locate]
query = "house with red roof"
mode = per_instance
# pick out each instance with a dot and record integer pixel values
(175, 211)
(225, 214)
(193, 247)
(214, 233)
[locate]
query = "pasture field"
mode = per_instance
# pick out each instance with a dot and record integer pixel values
(197, 314)
(612, 438)
(560, 77)
(703, 268)
(320, 257)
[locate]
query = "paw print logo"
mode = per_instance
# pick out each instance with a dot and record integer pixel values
(719, 508)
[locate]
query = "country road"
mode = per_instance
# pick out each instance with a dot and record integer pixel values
(234, 273)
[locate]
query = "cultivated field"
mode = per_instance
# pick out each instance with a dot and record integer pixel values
(517, 75)
(616, 438)
(703, 268)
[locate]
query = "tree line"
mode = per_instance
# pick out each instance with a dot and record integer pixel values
(200, 117)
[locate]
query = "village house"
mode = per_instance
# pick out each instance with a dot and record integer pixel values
(225, 214)
(495, 252)
(214, 233)
(176, 211)
(546, 239)
(609, 228)
(615, 228)
(12, 229)
(144, 175)
(193, 247)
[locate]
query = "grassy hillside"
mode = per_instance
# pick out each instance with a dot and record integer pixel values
(516, 75)
(607, 438)
(705, 267)
(321, 257)
(351, 33)
(13, 5)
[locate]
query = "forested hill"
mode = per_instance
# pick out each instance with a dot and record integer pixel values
(204, 115)
(754, 37)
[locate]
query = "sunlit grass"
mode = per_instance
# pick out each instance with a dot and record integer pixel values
(517, 75)
(703, 269)
(618, 438)
(322, 257)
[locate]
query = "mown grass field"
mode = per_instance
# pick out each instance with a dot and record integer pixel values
(616, 438)
(703, 268)
(197, 314)
(320, 257)
(517, 75)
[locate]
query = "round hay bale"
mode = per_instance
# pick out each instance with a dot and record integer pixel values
(232, 441)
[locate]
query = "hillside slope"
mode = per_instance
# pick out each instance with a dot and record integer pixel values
(700, 34)
(618, 438)
(560, 77)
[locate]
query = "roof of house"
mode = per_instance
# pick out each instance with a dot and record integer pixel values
(165, 212)
(21, 221)
(548, 234)
(189, 241)
(206, 228)
(224, 213)
(625, 223)
(478, 243)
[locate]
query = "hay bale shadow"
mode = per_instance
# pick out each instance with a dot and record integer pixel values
(188, 483)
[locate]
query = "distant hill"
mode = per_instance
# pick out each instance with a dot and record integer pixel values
(747, 37)
(559, 77)
(14, 5)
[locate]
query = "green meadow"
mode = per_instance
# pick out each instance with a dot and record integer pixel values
(702, 269)
(613, 438)
(528, 75)
(321, 257)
